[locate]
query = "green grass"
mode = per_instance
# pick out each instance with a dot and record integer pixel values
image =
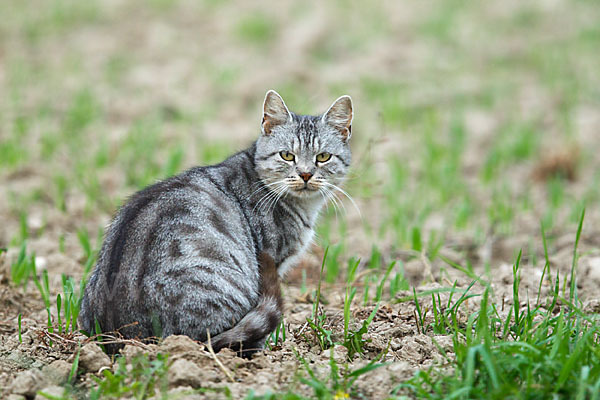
(337, 385)
(141, 381)
(536, 351)
(256, 28)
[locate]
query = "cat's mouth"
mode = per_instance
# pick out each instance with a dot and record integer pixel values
(304, 189)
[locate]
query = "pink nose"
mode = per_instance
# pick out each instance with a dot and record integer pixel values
(306, 176)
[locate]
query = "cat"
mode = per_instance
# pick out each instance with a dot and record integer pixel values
(203, 251)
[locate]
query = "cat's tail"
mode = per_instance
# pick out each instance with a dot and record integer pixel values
(250, 334)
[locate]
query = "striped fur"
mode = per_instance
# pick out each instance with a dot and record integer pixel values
(198, 251)
(250, 334)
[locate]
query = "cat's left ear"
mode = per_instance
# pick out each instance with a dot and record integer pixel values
(275, 112)
(339, 116)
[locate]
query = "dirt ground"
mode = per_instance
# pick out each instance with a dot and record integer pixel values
(395, 337)
(179, 58)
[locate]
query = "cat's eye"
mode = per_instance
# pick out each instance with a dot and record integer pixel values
(323, 157)
(286, 155)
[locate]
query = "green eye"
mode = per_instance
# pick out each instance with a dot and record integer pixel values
(286, 155)
(323, 157)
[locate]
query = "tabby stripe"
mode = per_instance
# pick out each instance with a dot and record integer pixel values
(263, 158)
(218, 223)
(216, 184)
(236, 262)
(169, 214)
(342, 160)
(250, 159)
(131, 211)
(241, 289)
(290, 210)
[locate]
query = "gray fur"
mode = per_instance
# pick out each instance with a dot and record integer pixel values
(183, 255)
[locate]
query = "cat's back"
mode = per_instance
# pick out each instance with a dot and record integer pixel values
(188, 209)
(186, 234)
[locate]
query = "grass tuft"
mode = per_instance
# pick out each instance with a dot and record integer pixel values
(532, 352)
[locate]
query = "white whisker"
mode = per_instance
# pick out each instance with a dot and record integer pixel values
(345, 194)
(331, 197)
(280, 194)
(271, 193)
(264, 186)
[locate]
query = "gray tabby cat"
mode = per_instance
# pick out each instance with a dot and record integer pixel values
(204, 250)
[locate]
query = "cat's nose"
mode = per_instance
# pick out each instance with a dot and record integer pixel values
(305, 176)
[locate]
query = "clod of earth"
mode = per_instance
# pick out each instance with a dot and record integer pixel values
(27, 383)
(57, 372)
(92, 358)
(185, 373)
(130, 351)
(180, 344)
(51, 392)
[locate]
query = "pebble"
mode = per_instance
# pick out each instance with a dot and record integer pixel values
(55, 391)
(594, 269)
(180, 344)
(92, 358)
(131, 351)
(185, 373)
(57, 372)
(340, 354)
(27, 383)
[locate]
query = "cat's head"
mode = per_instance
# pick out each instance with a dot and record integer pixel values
(303, 155)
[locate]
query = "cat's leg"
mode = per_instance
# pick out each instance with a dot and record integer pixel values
(248, 336)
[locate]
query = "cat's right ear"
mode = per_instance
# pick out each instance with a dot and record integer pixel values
(275, 112)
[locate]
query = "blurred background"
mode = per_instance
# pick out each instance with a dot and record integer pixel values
(475, 120)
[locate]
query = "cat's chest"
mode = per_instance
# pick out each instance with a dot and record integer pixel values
(297, 251)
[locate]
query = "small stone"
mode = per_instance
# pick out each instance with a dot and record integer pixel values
(57, 372)
(92, 358)
(340, 354)
(53, 391)
(180, 344)
(130, 351)
(594, 269)
(27, 383)
(185, 373)
(41, 263)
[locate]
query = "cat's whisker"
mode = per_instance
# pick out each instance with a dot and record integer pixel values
(281, 195)
(266, 204)
(281, 191)
(265, 186)
(339, 203)
(273, 196)
(337, 200)
(342, 191)
(266, 198)
(327, 198)
(271, 192)
(329, 195)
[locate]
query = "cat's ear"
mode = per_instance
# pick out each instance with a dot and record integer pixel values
(339, 116)
(275, 112)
